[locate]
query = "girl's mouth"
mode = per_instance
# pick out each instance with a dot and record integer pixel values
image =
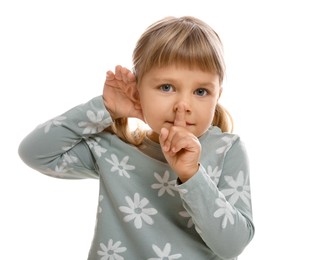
(187, 123)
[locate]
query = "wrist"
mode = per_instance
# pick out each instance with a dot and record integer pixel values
(112, 114)
(186, 176)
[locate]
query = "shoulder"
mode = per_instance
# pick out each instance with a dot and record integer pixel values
(218, 143)
(216, 136)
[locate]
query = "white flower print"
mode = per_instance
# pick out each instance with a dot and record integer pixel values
(137, 211)
(122, 167)
(64, 165)
(111, 251)
(228, 140)
(214, 174)
(182, 191)
(94, 144)
(165, 254)
(100, 209)
(53, 173)
(225, 210)
(62, 168)
(164, 184)
(238, 189)
(53, 122)
(185, 214)
(96, 124)
(68, 147)
(190, 222)
(69, 158)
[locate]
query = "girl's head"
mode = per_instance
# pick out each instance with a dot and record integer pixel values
(184, 42)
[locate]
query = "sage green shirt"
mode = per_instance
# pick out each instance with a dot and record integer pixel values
(144, 212)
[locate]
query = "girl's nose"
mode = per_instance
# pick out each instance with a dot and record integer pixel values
(182, 106)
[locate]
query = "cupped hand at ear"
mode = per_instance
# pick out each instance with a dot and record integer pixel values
(120, 94)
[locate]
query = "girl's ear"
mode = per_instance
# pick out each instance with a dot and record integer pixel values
(135, 97)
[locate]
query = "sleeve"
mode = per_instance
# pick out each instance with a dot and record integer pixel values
(222, 214)
(59, 147)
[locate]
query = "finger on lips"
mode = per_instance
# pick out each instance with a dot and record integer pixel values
(180, 116)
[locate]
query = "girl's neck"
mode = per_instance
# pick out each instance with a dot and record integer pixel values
(153, 136)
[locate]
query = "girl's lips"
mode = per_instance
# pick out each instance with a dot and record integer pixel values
(187, 123)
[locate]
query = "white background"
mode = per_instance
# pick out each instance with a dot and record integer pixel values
(54, 55)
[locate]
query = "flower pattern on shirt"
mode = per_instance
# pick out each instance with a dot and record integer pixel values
(239, 189)
(53, 122)
(214, 174)
(136, 211)
(53, 173)
(164, 254)
(164, 185)
(226, 211)
(68, 147)
(182, 190)
(141, 211)
(65, 163)
(185, 214)
(112, 251)
(100, 209)
(122, 167)
(96, 124)
(62, 167)
(94, 144)
(228, 140)
(190, 222)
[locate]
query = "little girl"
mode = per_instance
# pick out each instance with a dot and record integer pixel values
(179, 190)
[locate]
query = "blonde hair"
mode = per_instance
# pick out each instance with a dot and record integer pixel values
(185, 41)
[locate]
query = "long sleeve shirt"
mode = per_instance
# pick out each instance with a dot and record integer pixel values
(144, 212)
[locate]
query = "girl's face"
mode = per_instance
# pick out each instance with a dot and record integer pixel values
(164, 90)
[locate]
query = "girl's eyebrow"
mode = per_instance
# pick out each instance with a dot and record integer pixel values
(164, 80)
(174, 81)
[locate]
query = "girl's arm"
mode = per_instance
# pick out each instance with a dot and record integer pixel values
(222, 213)
(61, 146)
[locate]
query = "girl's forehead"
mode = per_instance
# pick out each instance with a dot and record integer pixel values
(164, 70)
(178, 67)
(178, 75)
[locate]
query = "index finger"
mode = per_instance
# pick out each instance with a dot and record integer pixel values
(180, 116)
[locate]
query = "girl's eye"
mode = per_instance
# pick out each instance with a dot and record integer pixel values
(201, 92)
(166, 88)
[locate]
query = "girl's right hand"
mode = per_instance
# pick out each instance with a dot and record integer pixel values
(120, 94)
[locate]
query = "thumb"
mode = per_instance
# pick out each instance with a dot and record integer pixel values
(180, 116)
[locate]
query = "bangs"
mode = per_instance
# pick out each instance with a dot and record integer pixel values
(183, 44)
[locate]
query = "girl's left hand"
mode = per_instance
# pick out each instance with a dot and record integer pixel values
(181, 148)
